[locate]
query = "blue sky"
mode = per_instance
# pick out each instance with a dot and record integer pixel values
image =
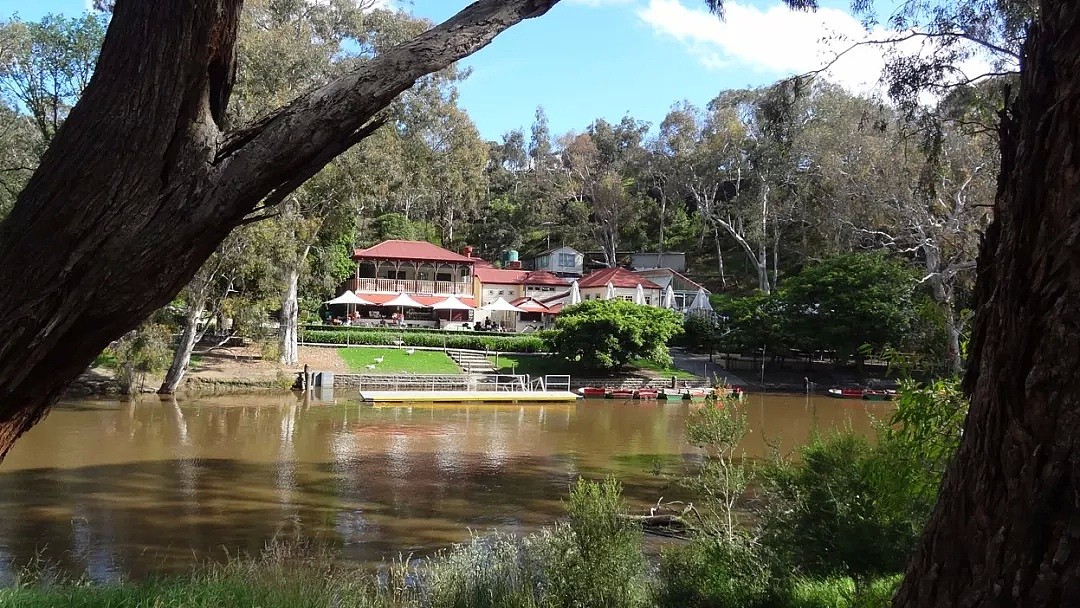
(589, 59)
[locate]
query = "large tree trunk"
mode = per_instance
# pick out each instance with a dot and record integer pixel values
(140, 184)
(1006, 529)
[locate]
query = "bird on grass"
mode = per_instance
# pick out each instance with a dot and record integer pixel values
(378, 359)
(370, 366)
(410, 351)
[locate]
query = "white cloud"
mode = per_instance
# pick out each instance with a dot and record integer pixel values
(779, 41)
(599, 3)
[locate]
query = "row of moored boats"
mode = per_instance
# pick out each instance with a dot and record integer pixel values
(649, 393)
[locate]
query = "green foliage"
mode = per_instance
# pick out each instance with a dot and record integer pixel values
(390, 226)
(603, 564)
(145, 350)
(830, 513)
(710, 574)
(45, 66)
(724, 475)
(506, 343)
(609, 334)
(701, 332)
(754, 321)
(851, 300)
(920, 441)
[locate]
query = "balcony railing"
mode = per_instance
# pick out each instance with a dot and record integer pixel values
(433, 288)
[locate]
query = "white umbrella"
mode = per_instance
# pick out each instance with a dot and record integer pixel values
(452, 303)
(575, 294)
(701, 302)
(669, 297)
(349, 297)
(502, 305)
(404, 301)
(609, 293)
(639, 295)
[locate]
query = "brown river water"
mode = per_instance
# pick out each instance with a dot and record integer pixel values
(107, 489)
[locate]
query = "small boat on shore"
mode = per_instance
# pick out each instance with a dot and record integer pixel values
(592, 392)
(696, 394)
(620, 393)
(646, 393)
(735, 392)
(866, 394)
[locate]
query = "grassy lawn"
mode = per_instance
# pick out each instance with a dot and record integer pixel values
(542, 366)
(398, 361)
(534, 366)
(668, 372)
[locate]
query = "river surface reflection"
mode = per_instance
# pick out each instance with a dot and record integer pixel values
(106, 489)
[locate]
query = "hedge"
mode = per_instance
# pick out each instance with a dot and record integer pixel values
(419, 330)
(504, 343)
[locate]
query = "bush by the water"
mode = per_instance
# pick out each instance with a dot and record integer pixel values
(606, 335)
(505, 343)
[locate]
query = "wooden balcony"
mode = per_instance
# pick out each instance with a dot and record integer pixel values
(422, 288)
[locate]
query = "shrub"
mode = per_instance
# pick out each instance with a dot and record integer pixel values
(504, 343)
(830, 514)
(835, 592)
(140, 352)
(603, 564)
(708, 573)
(608, 334)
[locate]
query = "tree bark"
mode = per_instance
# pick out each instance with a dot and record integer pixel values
(141, 184)
(290, 354)
(182, 354)
(1006, 528)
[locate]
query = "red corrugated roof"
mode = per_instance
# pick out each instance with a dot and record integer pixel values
(618, 277)
(410, 250)
(494, 276)
(381, 298)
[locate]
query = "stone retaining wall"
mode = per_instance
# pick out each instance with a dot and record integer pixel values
(374, 382)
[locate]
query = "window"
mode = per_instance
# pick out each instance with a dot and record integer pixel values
(648, 300)
(567, 260)
(627, 298)
(399, 275)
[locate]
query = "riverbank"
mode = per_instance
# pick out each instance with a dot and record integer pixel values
(238, 369)
(781, 377)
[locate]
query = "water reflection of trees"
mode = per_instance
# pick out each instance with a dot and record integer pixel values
(149, 486)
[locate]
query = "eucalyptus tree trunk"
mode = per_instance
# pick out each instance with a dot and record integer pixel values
(290, 354)
(1006, 529)
(182, 353)
(143, 180)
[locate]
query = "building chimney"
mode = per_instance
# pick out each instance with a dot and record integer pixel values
(515, 265)
(467, 251)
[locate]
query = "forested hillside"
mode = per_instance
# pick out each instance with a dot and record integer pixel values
(752, 187)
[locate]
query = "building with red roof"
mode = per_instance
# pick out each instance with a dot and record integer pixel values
(494, 283)
(624, 284)
(413, 267)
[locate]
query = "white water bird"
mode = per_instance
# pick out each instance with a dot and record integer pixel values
(370, 366)
(410, 351)
(378, 359)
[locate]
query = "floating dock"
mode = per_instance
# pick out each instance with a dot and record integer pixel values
(467, 396)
